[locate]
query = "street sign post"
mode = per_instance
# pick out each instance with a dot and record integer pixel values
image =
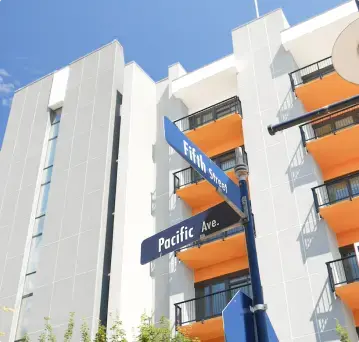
(205, 223)
(204, 166)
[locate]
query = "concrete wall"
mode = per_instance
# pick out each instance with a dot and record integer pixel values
(295, 280)
(70, 252)
(131, 285)
(173, 281)
(20, 160)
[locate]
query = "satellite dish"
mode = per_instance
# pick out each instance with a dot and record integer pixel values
(345, 54)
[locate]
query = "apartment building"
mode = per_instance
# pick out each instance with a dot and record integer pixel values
(86, 175)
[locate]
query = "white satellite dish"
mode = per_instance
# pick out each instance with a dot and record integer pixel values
(345, 54)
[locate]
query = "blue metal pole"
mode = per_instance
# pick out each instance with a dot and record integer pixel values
(258, 300)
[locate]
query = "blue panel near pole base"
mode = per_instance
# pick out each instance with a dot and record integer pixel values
(272, 337)
(238, 320)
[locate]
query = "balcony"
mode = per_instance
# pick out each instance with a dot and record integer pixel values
(344, 281)
(201, 317)
(337, 202)
(217, 255)
(215, 129)
(333, 140)
(190, 186)
(318, 85)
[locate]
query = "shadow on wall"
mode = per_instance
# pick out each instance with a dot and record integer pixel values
(300, 167)
(283, 63)
(327, 309)
(290, 108)
(311, 236)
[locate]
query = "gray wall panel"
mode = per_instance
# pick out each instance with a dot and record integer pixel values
(87, 251)
(7, 214)
(84, 294)
(90, 65)
(11, 276)
(75, 75)
(87, 91)
(67, 253)
(6, 317)
(47, 261)
(96, 169)
(107, 58)
(62, 301)
(80, 148)
(72, 217)
(91, 215)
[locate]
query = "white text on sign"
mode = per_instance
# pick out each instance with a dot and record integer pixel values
(197, 158)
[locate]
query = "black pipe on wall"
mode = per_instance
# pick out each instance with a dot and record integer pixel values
(273, 129)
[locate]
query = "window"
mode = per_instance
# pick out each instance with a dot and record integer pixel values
(38, 228)
(43, 199)
(349, 263)
(39, 224)
(50, 154)
(25, 315)
(213, 295)
(34, 253)
(46, 175)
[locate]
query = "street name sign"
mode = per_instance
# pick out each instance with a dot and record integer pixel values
(171, 239)
(204, 166)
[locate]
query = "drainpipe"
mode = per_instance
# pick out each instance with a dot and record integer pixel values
(316, 114)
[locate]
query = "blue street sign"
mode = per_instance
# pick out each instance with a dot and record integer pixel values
(238, 320)
(203, 165)
(205, 223)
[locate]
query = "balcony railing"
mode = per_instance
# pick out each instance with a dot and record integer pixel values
(311, 72)
(343, 271)
(219, 236)
(332, 123)
(212, 113)
(206, 307)
(341, 189)
(225, 161)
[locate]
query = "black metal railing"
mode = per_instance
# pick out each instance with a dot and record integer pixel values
(344, 188)
(331, 123)
(212, 113)
(225, 161)
(206, 307)
(311, 72)
(343, 271)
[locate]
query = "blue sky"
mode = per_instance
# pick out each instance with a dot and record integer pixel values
(39, 36)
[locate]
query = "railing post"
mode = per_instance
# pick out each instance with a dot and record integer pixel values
(347, 181)
(302, 135)
(330, 274)
(332, 125)
(292, 81)
(315, 199)
(320, 72)
(178, 315)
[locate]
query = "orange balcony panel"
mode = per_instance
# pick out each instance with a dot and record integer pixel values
(356, 317)
(321, 92)
(215, 252)
(218, 136)
(336, 154)
(349, 295)
(221, 269)
(210, 330)
(342, 217)
(202, 195)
